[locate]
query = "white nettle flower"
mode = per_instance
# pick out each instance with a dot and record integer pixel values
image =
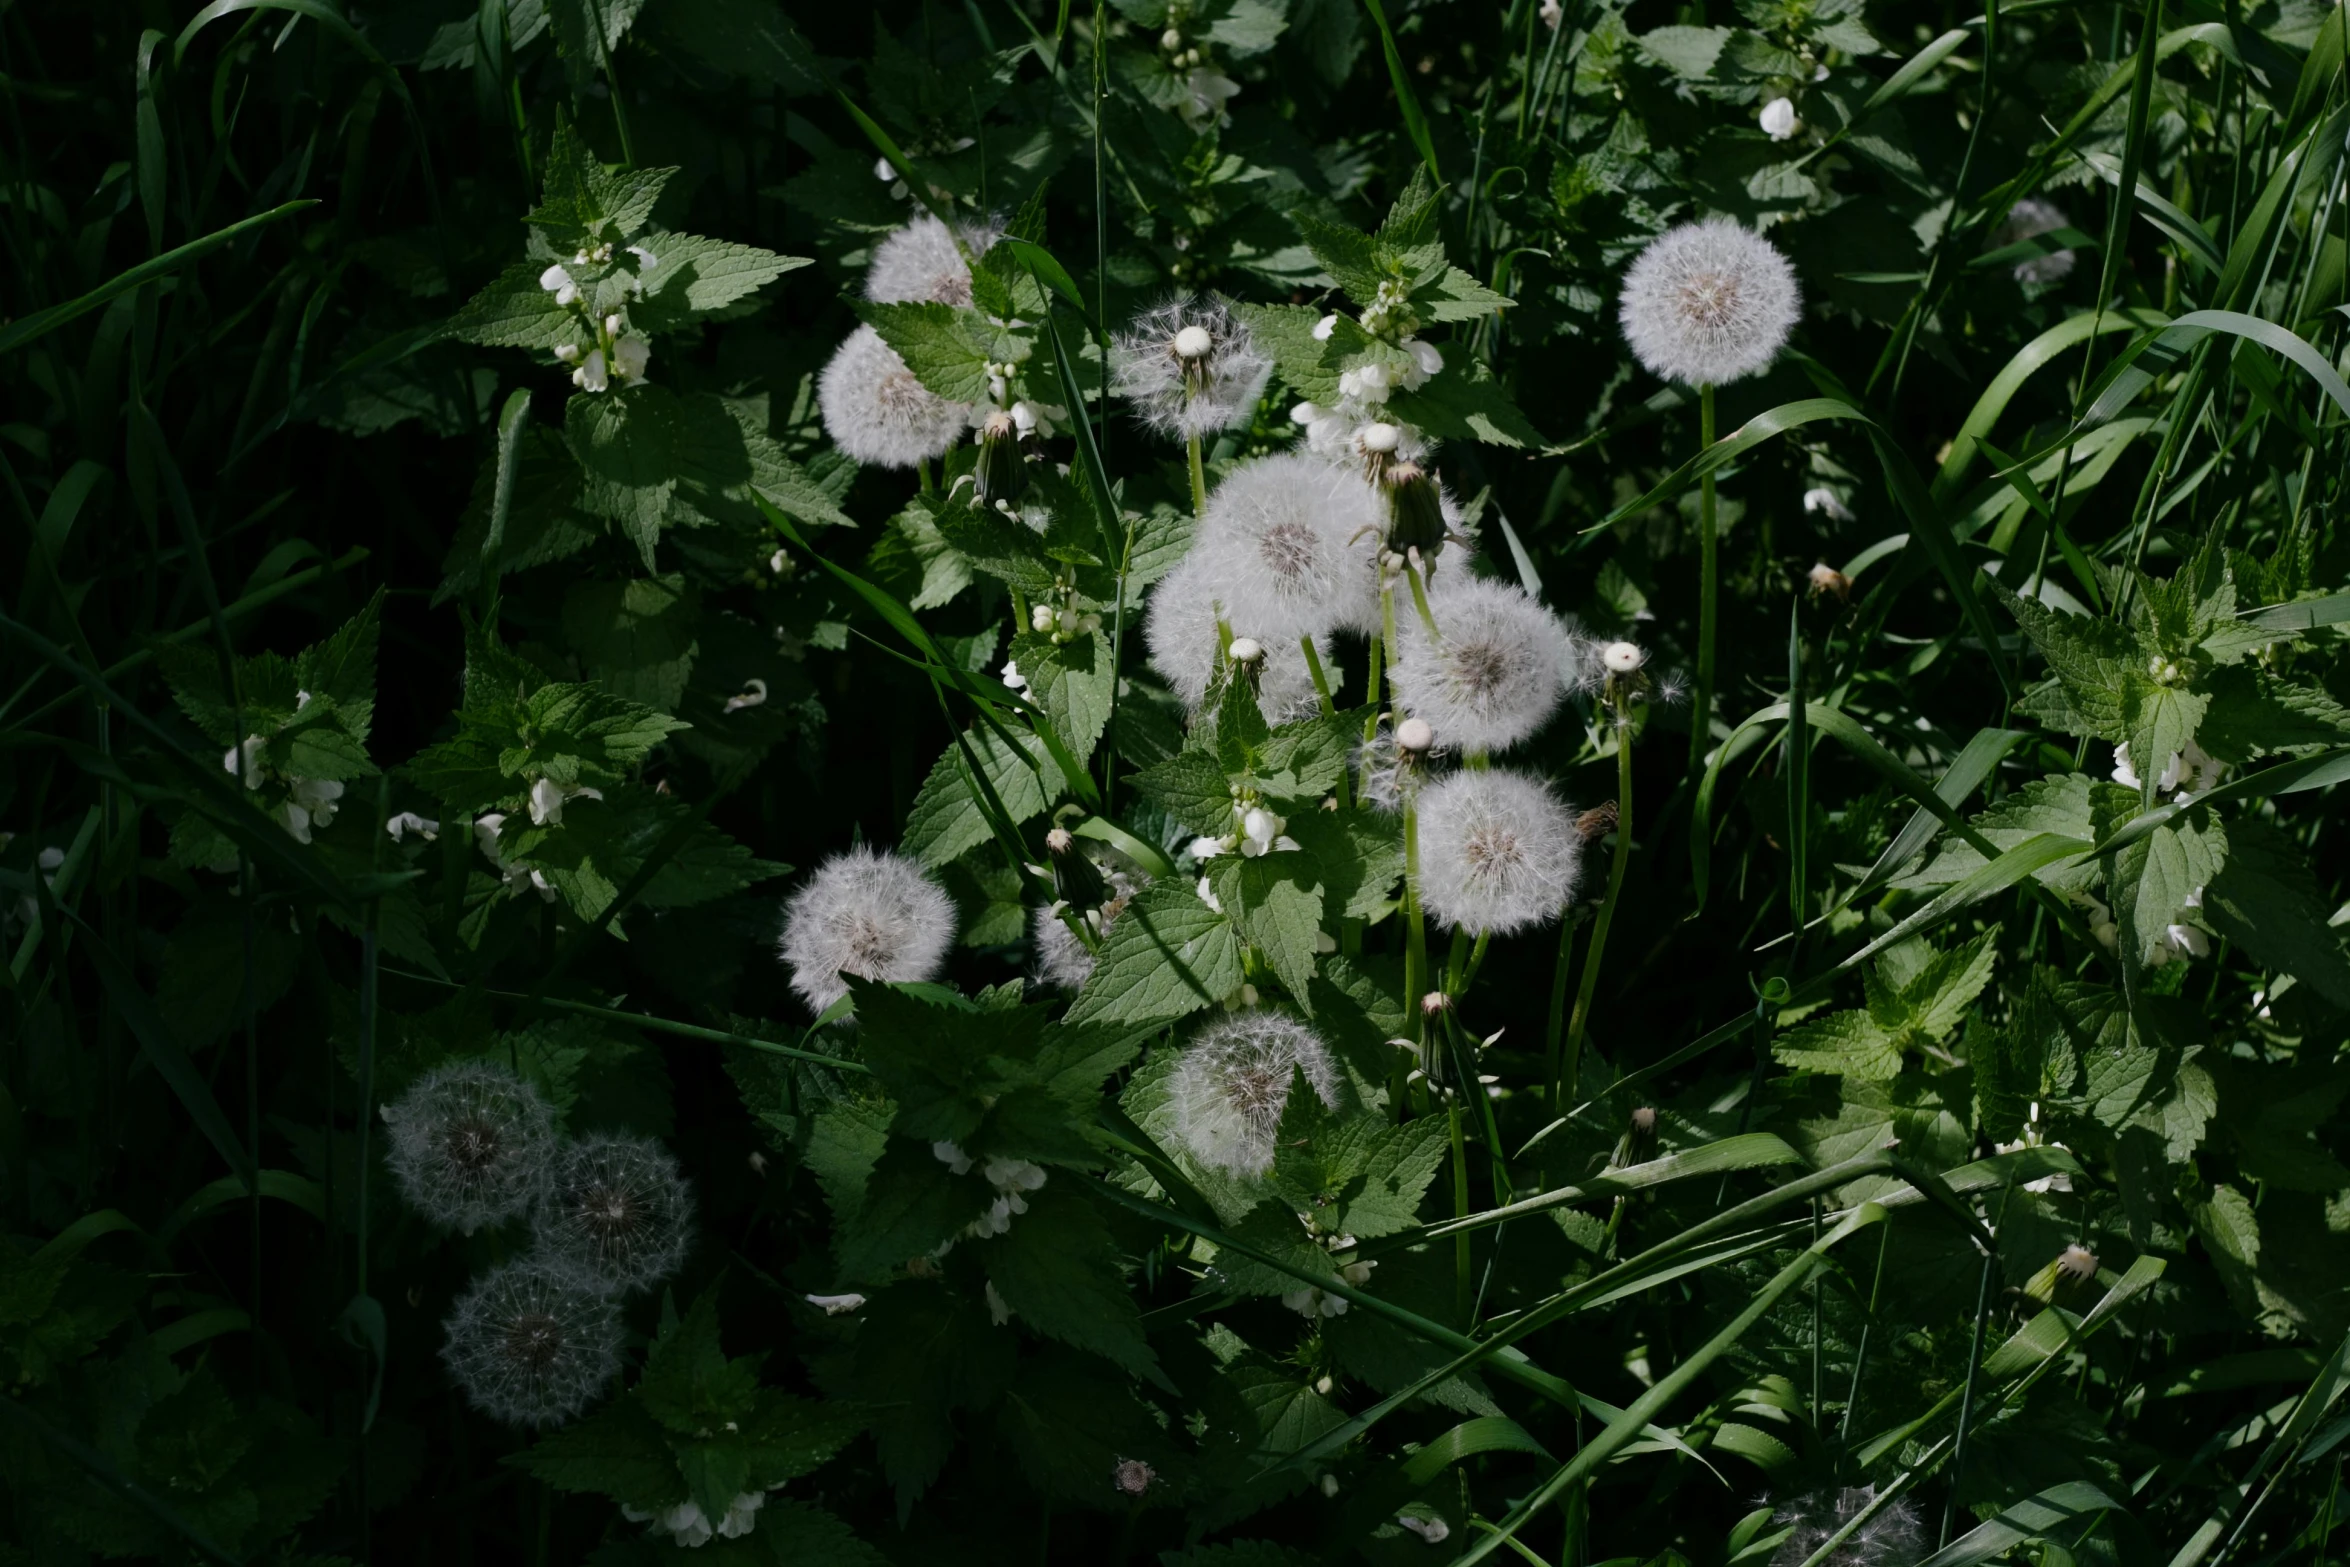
(1232, 1083)
(876, 411)
(922, 263)
(1190, 367)
(1013, 1180)
(310, 802)
(1778, 119)
(688, 1526)
(547, 798)
(1312, 1303)
(1290, 545)
(2028, 219)
(875, 915)
(1708, 303)
(485, 835)
(836, 1305)
(557, 281)
(1180, 633)
(1825, 502)
(247, 760)
(1205, 92)
(1498, 852)
(408, 822)
(1494, 674)
(2186, 774)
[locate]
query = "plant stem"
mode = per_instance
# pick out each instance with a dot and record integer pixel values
(1462, 1288)
(612, 84)
(1199, 478)
(1571, 1064)
(1708, 571)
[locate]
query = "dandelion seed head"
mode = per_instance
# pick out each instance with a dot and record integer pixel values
(1708, 303)
(1061, 959)
(1290, 544)
(867, 913)
(619, 1208)
(1495, 674)
(1893, 1538)
(1232, 1083)
(470, 1144)
(877, 412)
(533, 1342)
(2077, 1263)
(1498, 852)
(1180, 633)
(2025, 220)
(1190, 367)
(921, 264)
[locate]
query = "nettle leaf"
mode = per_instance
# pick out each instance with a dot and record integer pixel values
(1276, 1229)
(619, 1451)
(1192, 787)
(690, 276)
(946, 821)
(943, 1063)
(1242, 27)
(1277, 900)
(2253, 713)
(1852, 1044)
(2064, 805)
(2152, 879)
(1465, 403)
(1453, 295)
(1304, 760)
(1287, 333)
(636, 637)
(913, 1205)
(587, 204)
(1346, 253)
(580, 733)
(2266, 901)
(1916, 998)
(1073, 681)
(1003, 547)
(1164, 958)
(600, 845)
(946, 346)
(1687, 52)
(1360, 854)
(1354, 1171)
(924, 1351)
(2093, 661)
(513, 311)
(1057, 1268)
(628, 444)
(2158, 720)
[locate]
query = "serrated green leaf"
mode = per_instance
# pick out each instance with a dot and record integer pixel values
(1165, 957)
(1073, 681)
(619, 1451)
(946, 821)
(946, 346)
(1287, 333)
(1056, 1268)
(1192, 787)
(692, 276)
(1277, 901)
(1465, 403)
(513, 311)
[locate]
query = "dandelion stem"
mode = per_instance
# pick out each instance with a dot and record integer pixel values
(1199, 478)
(1571, 1065)
(1462, 1287)
(1415, 956)
(1322, 691)
(1708, 570)
(1420, 601)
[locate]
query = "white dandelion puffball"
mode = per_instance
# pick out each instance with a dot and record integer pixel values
(921, 264)
(1498, 852)
(1708, 303)
(1290, 543)
(533, 1343)
(1497, 671)
(470, 1144)
(2027, 219)
(619, 1209)
(1232, 1083)
(877, 412)
(1892, 1538)
(1190, 368)
(1061, 959)
(1180, 632)
(867, 913)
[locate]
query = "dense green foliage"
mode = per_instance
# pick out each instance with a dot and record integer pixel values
(445, 625)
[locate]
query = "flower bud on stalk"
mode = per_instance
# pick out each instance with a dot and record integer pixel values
(1415, 510)
(1077, 881)
(1002, 473)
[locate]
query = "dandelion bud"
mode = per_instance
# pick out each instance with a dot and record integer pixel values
(1001, 474)
(1415, 509)
(1414, 735)
(2077, 1263)
(1077, 881)
(870, 914)
(1597, 822)
(619, 1209)
(533, 1343)
(470, 1144)
(1825, 578)
(1233, 1081)
(1644, 1120)
(1435, 1004)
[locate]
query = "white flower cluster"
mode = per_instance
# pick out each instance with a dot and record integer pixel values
(1359, 425)
(1313, 1302)
(486, 829)
(1255, 831)
(1013, 1180)
(308, 802)
(2185, 775)
(608, 354)
(687, 1525)
(1206, 90)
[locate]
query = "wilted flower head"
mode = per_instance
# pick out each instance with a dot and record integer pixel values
(470, 1144)
(877, 412)
(1190, 367)
(1290, 544)
(922, 264)
(1891, 1539)
(1498, 852)
(618, 1207)
(867, 913)
(1180, 632)
(1232, 1083)
(1496, 672)
(533, 1343)
(1707, 303)
(2027, 218)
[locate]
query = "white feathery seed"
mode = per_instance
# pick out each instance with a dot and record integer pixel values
(921, 264)
(1497, 671)
(877, 412)
(1708, 303)
(618, 1207)
(533, 1343)
(2027, 219)
(1498, 852)
(871, 914)
(1233, 1081)
(1893, 1538)
(1290, 543)
(1190, 368)
(1180, 632)
(470, 1144)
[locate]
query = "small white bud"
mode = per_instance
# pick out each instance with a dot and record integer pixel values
(1171, 40)
(1381, 437)
(1247, 650)
(1622, 658)
(1414, 735)
(1192, 342)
